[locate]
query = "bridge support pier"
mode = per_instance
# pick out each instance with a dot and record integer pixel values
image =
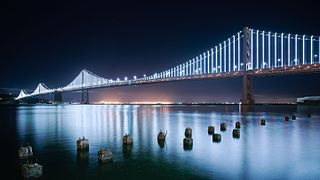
(247, 97)
(85, 96)
(57, 97)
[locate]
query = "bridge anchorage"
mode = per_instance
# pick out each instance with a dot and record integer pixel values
(247, 54)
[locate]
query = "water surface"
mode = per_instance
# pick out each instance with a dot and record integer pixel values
(279, 150)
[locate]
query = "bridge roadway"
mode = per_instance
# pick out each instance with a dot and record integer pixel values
(298, 69)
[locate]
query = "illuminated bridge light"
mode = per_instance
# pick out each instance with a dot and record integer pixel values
(216, 59)
(296, 49)
(204, 63)
(239, 51)
(220, 53)
(257, 60)
(251, 50)
(263, 63)
(269, 50)
(275, 50)
(228, 61)
(212, 67)
(289, 49)
(303, 58)
(311, 53)
(281, 49)
(225, 57)
(200, 61)
(234, 52)
(229, 56)
(208, 62)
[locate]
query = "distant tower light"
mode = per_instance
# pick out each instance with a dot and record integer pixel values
(126, 79)
(118, 79)
(135, 77)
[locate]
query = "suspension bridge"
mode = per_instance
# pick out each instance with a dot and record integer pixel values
(245, 54)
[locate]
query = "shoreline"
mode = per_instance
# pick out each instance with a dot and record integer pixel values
(166, 104)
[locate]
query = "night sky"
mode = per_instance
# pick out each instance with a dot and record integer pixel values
(51, 42)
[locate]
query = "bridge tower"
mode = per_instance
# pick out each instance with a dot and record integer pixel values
(247, 97)
(84, 92)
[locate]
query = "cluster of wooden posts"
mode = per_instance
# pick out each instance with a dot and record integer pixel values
(30, 168)
(105, 155)
(29, 163)
(216, 137)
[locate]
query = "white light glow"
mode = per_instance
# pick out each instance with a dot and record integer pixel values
(311, 56)
(282, 49)
(216, 59)
(263, 48)
(269, 50)
(239, 51)
(257, 60)
(234, 52)
(225, 57)
(229, 56)
(303, 58)
(275, 50)
(289, 46)
(296, 49)
(251, 48)
(220, 54)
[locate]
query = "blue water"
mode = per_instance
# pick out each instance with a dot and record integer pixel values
(278, 150)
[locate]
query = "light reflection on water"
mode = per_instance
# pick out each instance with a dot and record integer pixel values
(279, 150)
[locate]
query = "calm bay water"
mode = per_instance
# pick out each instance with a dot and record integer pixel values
(279, 150)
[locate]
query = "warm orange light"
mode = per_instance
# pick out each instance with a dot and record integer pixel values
(140, 102)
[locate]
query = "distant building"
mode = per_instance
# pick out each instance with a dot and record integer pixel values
(309, 100)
